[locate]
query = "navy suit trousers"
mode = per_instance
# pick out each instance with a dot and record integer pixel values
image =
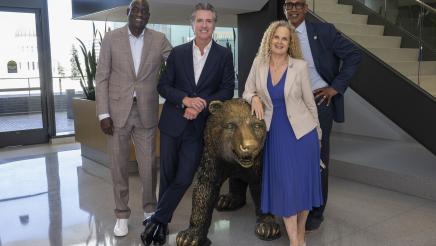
(179, 160)
(325, 116)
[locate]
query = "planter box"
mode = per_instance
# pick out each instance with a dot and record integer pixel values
(92, 140)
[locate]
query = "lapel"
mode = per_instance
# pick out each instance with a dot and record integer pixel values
(126, 43)
(146, 49)
(210, 63)
(189, 63)
(290, 77)
(313, 42)
(263, 72)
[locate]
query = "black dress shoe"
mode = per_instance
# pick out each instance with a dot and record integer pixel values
(313, 223)
(146, 221)
(149, 231)
(160, 234)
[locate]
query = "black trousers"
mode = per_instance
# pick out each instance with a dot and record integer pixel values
(325, 115)
(179, 160)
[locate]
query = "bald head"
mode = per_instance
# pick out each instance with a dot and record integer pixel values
(139, 2)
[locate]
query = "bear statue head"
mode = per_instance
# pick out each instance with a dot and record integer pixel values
(233, 134)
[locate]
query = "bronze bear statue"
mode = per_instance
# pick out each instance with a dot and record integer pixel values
(233, 142)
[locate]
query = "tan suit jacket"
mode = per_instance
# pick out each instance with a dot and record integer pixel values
(116, 79)
(300, 103)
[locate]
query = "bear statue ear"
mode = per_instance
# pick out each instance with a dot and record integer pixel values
(215, 106)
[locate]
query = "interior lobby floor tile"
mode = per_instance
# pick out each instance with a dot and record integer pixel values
(51, 195)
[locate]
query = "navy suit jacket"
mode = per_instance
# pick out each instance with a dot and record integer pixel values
(336, 60)
(216, 82)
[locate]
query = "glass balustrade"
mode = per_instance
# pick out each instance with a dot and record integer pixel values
(415, 58)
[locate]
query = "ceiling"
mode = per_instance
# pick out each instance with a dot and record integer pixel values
(178, 12)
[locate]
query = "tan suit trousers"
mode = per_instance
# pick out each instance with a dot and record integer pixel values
(144, 140)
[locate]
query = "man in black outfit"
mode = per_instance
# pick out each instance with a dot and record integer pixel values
(197, 73)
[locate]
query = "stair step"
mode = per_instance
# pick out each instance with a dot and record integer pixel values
(333, 7)
(410, 68)
(402, 166)
(426, 82)
(311, 3)
(343, 18)
(396, 54)
(356, 29)
(377, 41)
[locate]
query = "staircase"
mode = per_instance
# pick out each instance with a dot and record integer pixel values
(385, 140)
(387, 48)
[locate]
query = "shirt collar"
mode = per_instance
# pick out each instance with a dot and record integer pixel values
(301, 28)
(206, 49)
(133, 36)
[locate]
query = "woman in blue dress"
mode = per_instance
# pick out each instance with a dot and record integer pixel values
(279, 91)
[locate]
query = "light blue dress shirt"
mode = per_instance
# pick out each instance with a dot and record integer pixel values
(315, 78)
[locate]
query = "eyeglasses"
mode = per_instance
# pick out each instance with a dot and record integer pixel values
(297, 6)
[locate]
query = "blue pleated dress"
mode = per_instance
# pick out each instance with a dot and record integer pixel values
(291, 180)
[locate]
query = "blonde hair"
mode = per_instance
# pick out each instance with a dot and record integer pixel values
(264, 52)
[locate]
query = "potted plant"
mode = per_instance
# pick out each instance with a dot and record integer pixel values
(87, 76)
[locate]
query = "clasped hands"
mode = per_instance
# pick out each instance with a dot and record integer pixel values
(194, 106)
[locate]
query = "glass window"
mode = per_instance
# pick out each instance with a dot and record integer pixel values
(20, 97)
(64, 32)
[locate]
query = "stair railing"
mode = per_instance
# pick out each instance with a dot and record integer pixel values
(415, 17)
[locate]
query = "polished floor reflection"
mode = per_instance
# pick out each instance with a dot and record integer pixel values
(50, 195)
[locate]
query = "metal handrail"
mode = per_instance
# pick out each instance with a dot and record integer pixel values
(29, 88)
(21, 89)
(54, 77)
(428, 7)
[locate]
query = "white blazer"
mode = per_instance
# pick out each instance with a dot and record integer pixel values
(300, 103)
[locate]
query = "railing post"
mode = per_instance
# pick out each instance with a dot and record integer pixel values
(28, 85)
(420, 42)
(60, 86)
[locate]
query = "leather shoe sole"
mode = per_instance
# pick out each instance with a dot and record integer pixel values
(160, 234)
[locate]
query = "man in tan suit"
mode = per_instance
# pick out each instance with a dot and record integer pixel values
(128, 104)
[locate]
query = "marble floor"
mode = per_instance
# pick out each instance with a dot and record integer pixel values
(50, 195)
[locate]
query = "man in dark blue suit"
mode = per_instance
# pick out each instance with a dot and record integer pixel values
(196, 74)
(332, 61)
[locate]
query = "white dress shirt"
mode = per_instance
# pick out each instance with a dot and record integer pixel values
(199, 60)
(316, 80)
(136, 45)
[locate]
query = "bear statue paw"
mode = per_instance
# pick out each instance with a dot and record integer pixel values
(191, 237)
(266, 228)
(229, 202)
